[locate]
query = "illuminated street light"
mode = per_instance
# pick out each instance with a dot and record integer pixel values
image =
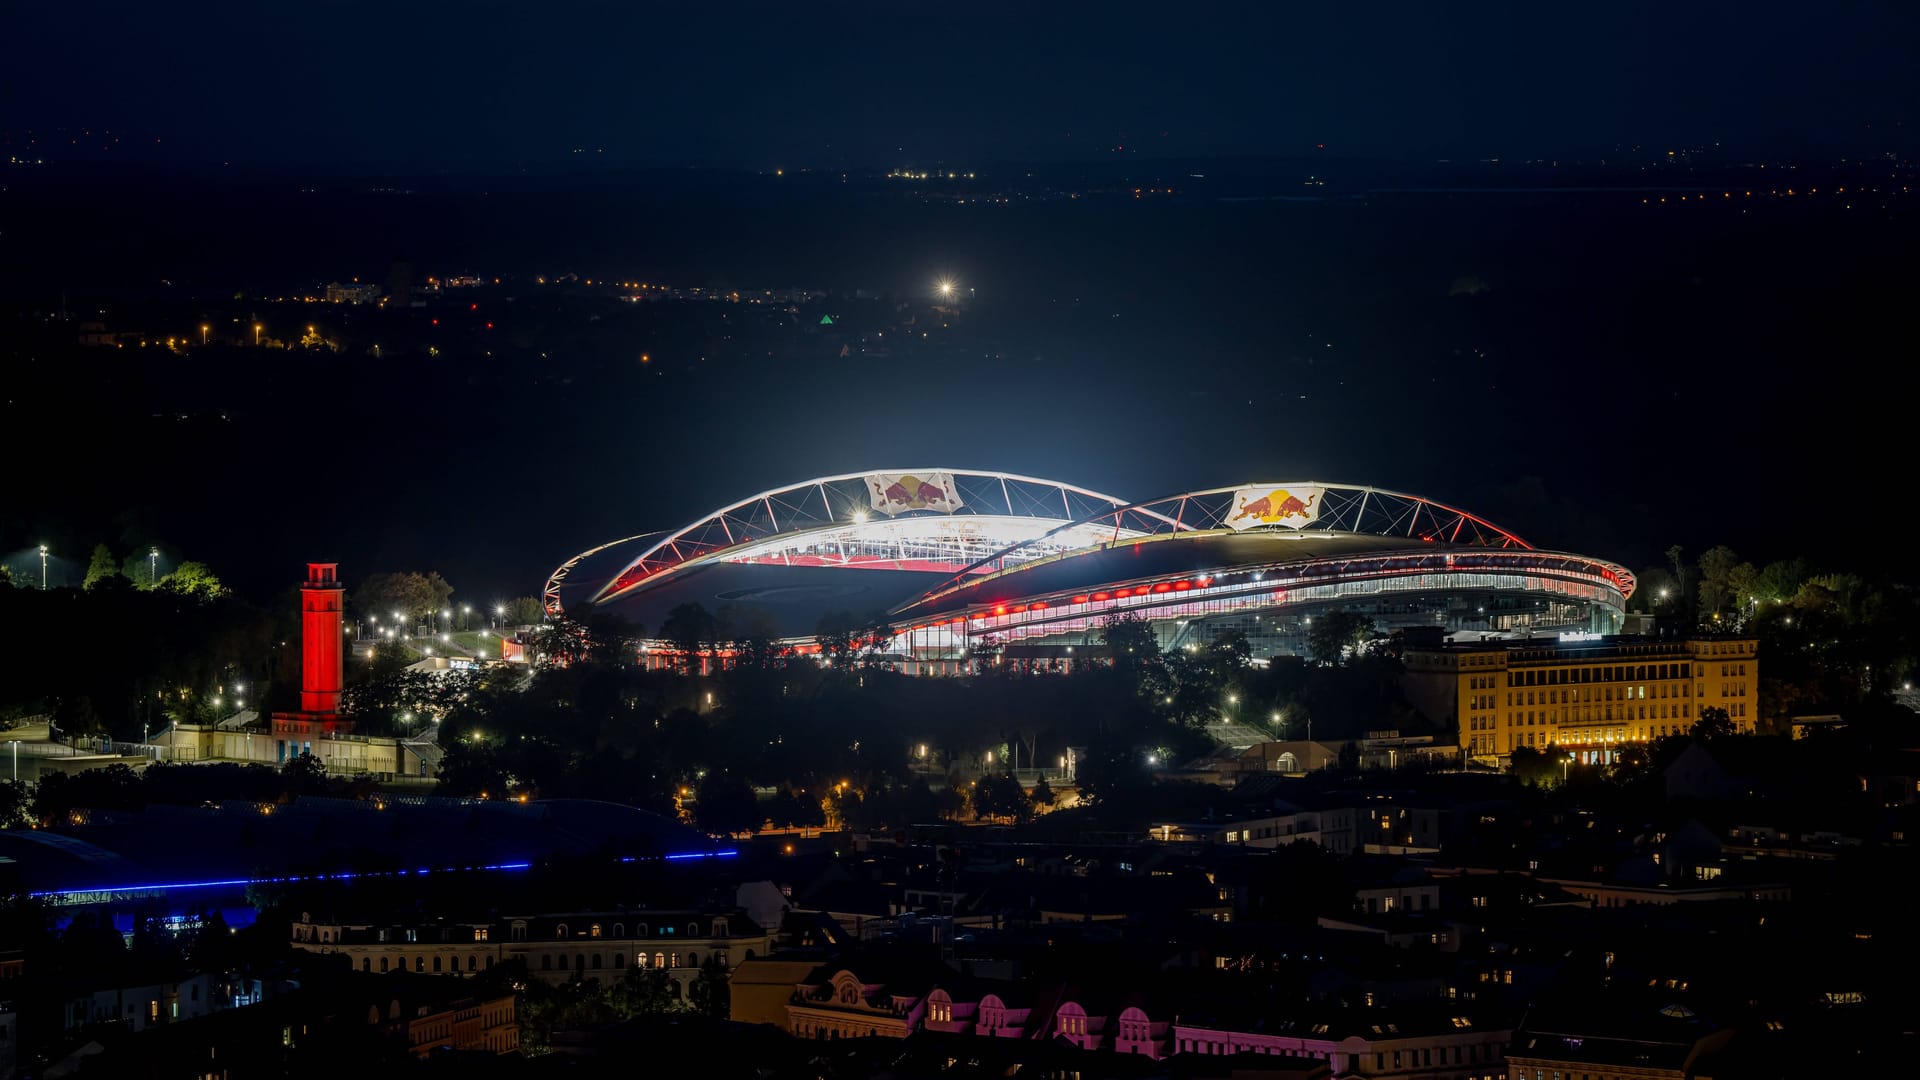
(153, 566)
(43, 568)
(256, 334)
(946, 288)
(203, 333)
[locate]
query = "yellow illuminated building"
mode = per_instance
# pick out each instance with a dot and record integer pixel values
(1587, 696)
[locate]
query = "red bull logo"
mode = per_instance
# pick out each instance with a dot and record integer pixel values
(1275, 507)
(895, 494)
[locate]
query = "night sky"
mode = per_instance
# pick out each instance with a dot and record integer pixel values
(483, 84)
(1613, 378)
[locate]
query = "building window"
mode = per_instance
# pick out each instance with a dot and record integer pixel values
(594, 930)
(560, 932)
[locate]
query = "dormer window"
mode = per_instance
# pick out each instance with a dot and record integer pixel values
(560, 932)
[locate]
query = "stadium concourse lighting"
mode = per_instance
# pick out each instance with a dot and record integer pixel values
(859, 517)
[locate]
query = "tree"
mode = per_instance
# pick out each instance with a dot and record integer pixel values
(524, 611)
(642, 992)
(727, 805)
(838, 633)
(1043, 793)
(101, 567)
(1714, 724)
(304, 775)
(1540, 768)
(14, 804)
(1779, 581)
(73, 714)
(1716, 580)
(1334, 634)
(141, 568)
(1001, 796)
(195, 580)
(1131, 642)
(689, 628)
(413, 595)
(756, 644)
(1677, 558)
(602, 639)
(709, 994)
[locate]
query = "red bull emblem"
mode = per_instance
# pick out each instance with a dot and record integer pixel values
(893, 494)
(1274, 506)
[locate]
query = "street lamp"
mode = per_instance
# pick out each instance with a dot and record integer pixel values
(465, 611)
(43, 568)
(153, 566)
(256, 335)
(203, 333)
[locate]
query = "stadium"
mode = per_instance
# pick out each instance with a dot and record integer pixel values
(956, 560)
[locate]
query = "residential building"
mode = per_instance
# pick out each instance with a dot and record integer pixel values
(352, 293)
(1391, 1043)
(555, 948)
(1658, 1043)
(1589, 696)
(835, 1003)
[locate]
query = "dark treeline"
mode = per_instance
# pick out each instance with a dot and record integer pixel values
(115, 658)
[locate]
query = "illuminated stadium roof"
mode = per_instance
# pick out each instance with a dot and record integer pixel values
(949, 555)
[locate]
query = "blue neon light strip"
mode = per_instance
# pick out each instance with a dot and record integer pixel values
(350, 875)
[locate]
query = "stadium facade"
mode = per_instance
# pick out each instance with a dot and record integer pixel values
(954, 559)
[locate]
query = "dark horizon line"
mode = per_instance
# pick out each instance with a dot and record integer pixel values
(1237, 165)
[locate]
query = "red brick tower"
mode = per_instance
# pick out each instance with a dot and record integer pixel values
(321, 673)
